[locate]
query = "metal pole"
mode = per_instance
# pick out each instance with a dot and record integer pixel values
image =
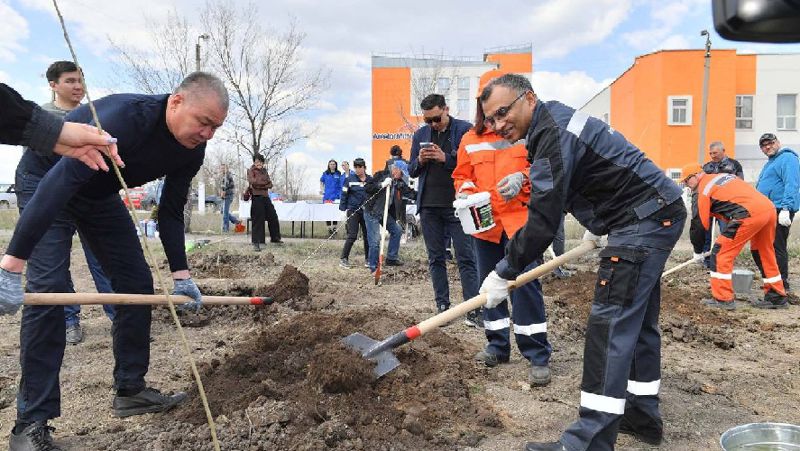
(201, 182)
(701, 146)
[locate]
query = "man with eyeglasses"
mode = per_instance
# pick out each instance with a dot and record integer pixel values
(433, 157)
(581, 165)
(779, 181)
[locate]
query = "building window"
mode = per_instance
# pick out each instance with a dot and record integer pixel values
(674, 174)
(463, 98)
(679, 110)
(463, 109)
(443, 86)
(787, 111)
(744, 112)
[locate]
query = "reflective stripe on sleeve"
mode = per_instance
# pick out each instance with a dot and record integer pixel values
(531, 329)
(498, 324)
(577, 123)
(602, 403)
(644, 388)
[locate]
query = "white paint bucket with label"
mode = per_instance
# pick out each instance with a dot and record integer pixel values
(475, 212)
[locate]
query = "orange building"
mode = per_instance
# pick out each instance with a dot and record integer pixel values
(657, 105)
(400, 83)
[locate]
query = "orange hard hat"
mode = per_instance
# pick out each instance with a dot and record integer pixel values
(690, 169)
(487, 77)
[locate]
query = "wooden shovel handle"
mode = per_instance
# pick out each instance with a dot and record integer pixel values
(134, 299)
(463, 308)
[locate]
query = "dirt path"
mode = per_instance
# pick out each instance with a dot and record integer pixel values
(277, 377)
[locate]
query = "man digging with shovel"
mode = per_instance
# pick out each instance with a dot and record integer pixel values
(580, 165)
(750, 216)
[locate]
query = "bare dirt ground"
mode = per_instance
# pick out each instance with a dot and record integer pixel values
(277, 377)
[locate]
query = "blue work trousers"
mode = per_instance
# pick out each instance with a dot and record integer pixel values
(622, 353)
(374, 237)
(528, 314)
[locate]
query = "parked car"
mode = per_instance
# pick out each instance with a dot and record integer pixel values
(136, 195)
(8, 196)
(213, 202)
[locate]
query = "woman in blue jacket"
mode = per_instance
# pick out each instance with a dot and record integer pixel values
(330, 186)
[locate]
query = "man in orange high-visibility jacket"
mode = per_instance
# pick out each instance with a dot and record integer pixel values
(751, 217)
(488, 163)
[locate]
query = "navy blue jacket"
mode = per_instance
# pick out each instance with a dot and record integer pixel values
(353, 193)
(149, 151)
(458, 128)
(581, 165)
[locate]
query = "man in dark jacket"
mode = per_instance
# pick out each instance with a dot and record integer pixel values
(354, 195)
(159, 135)
(373, 215)
(580, 165)
(433, 163)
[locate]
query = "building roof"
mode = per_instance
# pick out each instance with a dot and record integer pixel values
(428, 61)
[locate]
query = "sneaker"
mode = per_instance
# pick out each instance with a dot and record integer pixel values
(343, 263)
(397, 262)
(771, 303)
(148, 400)
(489, 359)
(442, 307)
(74, 334)
(35, 437)
(730, 305)
(653, 437)
(539, 376)
(256, 247)
(474, 319)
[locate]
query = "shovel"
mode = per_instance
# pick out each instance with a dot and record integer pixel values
(384, 232)
(381, 352)
(134, 299)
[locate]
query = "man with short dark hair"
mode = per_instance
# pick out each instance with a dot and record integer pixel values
(433, 163)
(159, 135)
(780, 182)
(354, 195)
(720, 163)
(580, 165)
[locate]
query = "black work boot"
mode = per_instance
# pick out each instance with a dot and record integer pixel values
(544, 446)
(148, 400)
(650, 432)
(772, 300)
(35, 437)
(489, 359)
(256, 247)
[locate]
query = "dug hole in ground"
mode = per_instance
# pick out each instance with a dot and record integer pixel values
(278, 377)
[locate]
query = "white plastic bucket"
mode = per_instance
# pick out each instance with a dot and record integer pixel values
(475, 212)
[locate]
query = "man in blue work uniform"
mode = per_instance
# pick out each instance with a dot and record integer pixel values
(580, 165)
(434, 163)
(163, 135)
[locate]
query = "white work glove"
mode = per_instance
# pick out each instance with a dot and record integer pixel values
(11, 295)
(599, 241)
(510, 186)
(495, 288)
(784, 219)
(698, 258)
(386, 182)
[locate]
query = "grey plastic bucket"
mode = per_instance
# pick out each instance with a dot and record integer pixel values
(742, 281)
(761, 437)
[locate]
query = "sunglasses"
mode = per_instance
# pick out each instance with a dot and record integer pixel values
(501, 112)
(435, 119)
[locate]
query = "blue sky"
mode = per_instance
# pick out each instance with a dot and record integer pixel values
(579, 46)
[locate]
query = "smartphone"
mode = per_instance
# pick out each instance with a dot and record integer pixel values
(425, 145)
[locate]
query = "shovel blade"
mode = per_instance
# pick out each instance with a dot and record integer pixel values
(385, 361)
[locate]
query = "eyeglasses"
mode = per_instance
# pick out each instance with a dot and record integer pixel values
(767, 143)
(435, 119)
(501, 112)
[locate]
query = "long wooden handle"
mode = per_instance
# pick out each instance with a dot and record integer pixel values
(383, 235)
(134, 299)
(445, 317)
(682, 265)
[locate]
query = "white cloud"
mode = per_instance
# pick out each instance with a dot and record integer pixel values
(9, 157)
(13, 31)
(573, 88)
(340, 133)
(665, 18)
(675, 42)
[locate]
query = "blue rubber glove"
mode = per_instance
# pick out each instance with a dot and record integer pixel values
(10, 292)
(187, 287)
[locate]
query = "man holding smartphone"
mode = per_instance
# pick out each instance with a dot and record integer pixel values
(433, 158)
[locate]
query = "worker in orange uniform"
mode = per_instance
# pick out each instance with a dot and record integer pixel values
(488, 163)
(751, 217)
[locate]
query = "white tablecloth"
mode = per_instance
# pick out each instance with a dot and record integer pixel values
(302, 211)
